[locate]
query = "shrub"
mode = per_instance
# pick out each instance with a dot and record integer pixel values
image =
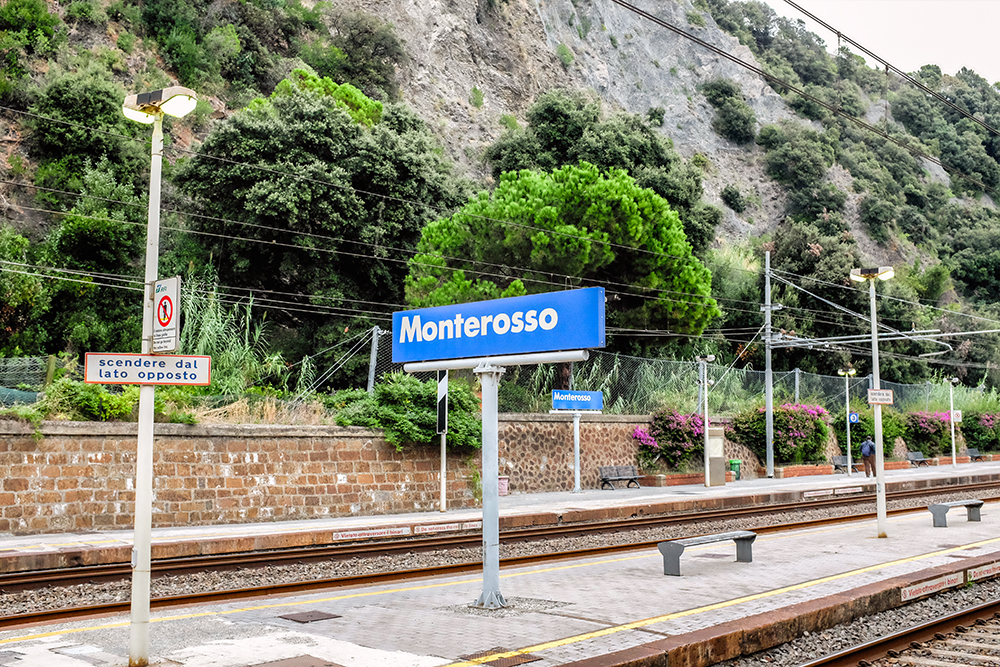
(893, 426)
(718, 91)
(126, 42)
(800, 432)
(696, 19)
(476, 98)
(733, 198)
(406, 409)
(672, 439)
(509, 122)
(735, 121)
(566, 56)
(928, 432)
(982, 430)
(87, 402)
(656, 116)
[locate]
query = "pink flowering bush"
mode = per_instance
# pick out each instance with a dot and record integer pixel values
(928, 432)
(671, 440)
(981, 430)
(800, 432)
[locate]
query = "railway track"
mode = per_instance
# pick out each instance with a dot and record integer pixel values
(116, 572)
(969, 638)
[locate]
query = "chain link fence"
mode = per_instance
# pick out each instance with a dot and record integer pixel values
(638, 386)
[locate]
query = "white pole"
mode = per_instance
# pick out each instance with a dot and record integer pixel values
(880, 505)
(576, 453)
(444, 474)
(847, 416)
(139, 624)
(951, 419)
(491, 598)
(768, 374)
(704, 383)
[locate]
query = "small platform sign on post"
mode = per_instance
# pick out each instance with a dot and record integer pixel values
(576, 402)
(880, 396)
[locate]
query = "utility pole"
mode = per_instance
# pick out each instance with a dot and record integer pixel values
(768, 375)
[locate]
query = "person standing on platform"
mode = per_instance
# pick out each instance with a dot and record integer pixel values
(868, 456)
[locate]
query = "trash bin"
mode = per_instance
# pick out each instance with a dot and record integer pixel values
(503, 487)
(734, 465)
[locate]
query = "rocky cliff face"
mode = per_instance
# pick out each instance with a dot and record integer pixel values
(509, 50)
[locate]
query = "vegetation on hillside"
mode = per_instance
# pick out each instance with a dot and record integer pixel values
(304, 210)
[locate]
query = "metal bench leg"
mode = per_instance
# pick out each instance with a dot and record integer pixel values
(974, 512)
(744, 549)
(940, 513)
(605, 482)
(671, 557)
(631, 482)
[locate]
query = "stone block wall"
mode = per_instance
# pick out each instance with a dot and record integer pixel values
(536, 451)
(80, 475)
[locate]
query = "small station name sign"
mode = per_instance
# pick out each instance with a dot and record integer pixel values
(577, 400)
(568, 320)
(173, 369)
(880, 396)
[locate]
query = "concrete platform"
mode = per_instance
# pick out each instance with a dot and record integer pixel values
(619, 609)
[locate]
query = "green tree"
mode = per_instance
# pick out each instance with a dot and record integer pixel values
(24, 298)
(574, 226)
(310, 201)
(565, 128)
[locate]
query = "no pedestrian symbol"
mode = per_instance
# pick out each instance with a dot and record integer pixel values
(166, 300)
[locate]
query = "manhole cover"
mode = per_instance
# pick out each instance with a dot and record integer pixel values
(301, 661)
(511, 661)
(309, 616)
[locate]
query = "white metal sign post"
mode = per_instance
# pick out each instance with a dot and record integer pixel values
(442, 428)
(540, 328)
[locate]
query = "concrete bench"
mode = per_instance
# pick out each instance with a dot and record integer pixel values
(673, 549)
(974, 455)
(940, 510)
(840, 464)
(612, 474)
(917, 459)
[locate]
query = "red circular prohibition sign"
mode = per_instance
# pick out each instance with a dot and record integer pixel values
(164, 310)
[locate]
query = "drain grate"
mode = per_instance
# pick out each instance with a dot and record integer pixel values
(511, 661)
(301, 661)
(309, 616)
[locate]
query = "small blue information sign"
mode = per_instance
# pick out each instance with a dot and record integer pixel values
(854, 418)
(563, 399)
(568, 320)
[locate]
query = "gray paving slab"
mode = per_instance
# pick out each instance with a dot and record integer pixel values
(562, 612)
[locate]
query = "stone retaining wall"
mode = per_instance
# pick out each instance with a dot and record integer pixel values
(80, 475)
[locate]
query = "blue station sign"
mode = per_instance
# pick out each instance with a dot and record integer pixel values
(569, 320)
(564, 399)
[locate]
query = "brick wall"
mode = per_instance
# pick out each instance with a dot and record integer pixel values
(79, 475)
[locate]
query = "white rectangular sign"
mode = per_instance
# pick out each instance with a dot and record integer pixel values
(167, 315)
(114, 368)
(880, 396)
(933, 586)
(956, 416)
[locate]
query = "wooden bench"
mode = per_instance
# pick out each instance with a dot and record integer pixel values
(612, 474)
(974, 455)
(673, 549)
(840, 464)
(940, 510)
(917, 459)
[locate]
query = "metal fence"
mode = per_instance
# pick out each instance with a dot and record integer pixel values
(634, 385)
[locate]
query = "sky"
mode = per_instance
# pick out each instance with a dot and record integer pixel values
(910, 33)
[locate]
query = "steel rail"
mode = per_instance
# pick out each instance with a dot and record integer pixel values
(879, 648)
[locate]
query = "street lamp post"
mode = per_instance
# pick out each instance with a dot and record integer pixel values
(148, 108)
(951, 418)
(703, 381)
(848, 373)
(861, 275)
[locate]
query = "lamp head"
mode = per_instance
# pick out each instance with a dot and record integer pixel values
(847, 372)
(706, 357)
(880, 272)
(176, 101)
(954, 380)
